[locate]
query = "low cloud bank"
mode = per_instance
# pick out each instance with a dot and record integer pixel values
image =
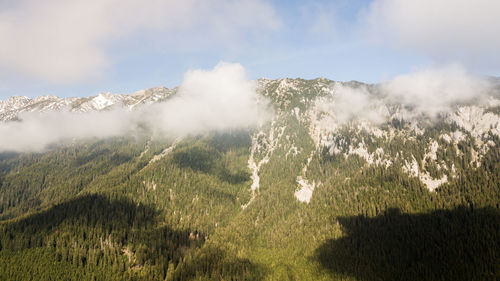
(36, 130)
(435, 91)
(354, 102)
(223, 98)
(218, 99)
(429, 92)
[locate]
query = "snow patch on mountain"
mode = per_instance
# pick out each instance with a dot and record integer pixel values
(162, 154)
(413, 170)
(165, 152)
(13, 107)
(103, 100)
(431, 183)
(263, 144)
(306, 188)
(305, 192)
(432, 153)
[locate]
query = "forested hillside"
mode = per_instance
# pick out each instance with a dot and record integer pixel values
(313, 194)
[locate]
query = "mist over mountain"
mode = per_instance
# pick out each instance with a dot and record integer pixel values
(228, 178)
(215, 100)
(224, 98)
(272, 140)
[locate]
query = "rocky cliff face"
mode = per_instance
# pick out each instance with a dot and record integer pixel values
(382, 133)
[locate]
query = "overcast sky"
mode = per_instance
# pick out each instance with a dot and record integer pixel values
(83, 47)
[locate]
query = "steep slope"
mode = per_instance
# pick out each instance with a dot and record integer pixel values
(299, 197)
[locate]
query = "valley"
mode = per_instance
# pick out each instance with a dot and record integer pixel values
(325, 189)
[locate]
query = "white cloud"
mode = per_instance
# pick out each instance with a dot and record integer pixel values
(66, 41)
(355, 103)
(428, 92)
(445, 30)
(219, 99)
(36, 131)
(434, 91)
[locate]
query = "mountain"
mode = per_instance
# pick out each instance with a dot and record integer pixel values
(345, 182)
(13, 106)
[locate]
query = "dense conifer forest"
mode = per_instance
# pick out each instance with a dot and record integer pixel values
(160, 208)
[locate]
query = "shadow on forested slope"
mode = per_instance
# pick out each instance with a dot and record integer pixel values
(8, 155)
(97, 222)
(94, 232)
(206, 159)
(460, 244)
(225, 141)
(213, 263)
(5, 156)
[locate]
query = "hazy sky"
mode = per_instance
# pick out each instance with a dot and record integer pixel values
(83, 47)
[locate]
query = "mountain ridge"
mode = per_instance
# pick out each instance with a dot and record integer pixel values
(313, 103)
(271, 202)
(13, 106)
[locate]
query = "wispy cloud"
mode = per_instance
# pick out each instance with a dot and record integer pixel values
(66, 41)
(445, 30)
